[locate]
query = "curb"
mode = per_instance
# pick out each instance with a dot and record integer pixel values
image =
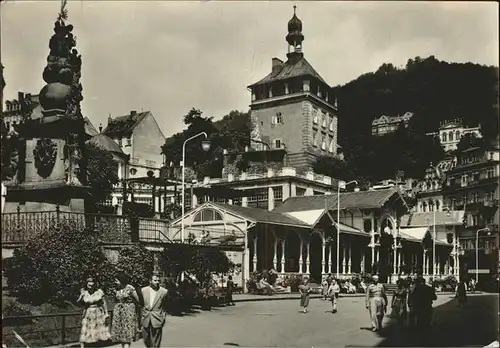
(297, 297)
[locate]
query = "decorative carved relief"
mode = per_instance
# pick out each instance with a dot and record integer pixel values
(44, 155)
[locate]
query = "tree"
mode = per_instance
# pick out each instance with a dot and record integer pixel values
(200, 262)
(333, 167)
(137, 263)
(40, 273)
(102, 172)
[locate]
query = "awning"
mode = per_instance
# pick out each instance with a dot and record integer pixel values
(350, 230)
(310, 217)
(417, 235)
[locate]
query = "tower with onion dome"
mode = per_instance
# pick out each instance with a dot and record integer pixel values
(293, 108)
(49, 169)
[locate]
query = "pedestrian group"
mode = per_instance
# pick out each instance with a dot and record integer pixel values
(132, 313)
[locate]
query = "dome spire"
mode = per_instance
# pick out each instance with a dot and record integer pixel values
(295, 37)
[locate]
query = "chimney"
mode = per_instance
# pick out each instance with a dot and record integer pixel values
(133, 112)
(109, 119)
(100, 127)
(277, 65)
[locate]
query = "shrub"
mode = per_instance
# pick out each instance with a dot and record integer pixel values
(293, 281)
(252, 282)
(53, 266)
(137, 263)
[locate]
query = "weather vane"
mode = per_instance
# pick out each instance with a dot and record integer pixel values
(64, 12)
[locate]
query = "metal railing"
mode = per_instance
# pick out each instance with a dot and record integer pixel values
(19, 227)
(10, 323)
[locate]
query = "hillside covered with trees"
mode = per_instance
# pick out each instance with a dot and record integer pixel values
(433, 90)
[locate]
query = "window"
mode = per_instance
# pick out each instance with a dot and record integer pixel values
(325, 120)
(208, 215)
(491, 156)
(457, 135)
(129, 141)
(299, 191)
(450, 135)
(332, 146)
(119, 142)
(279, 118)
(315, 116)
(315, 140)
(475, 197)
(278, 195)
(331, 124)
(444, 138)
(490, 173)
(464, 180)
(277, 143)
(259, 198)
(320, 117)
(323, 142)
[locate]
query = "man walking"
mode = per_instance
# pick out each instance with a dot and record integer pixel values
(422, 298)
(153, 312)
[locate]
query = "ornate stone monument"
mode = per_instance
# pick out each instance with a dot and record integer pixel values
(48, 161)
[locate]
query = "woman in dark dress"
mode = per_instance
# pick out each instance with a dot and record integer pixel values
(305, 291)
(461, 294)
(399, 302)
(124, 327)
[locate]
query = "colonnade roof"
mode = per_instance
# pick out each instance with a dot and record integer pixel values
(418, 234)
(451, 218)
(348, 200)
(306, 219)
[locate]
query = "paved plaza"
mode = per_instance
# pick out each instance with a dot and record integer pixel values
(279, 324)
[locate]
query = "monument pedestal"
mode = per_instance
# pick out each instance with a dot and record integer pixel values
(48, 170)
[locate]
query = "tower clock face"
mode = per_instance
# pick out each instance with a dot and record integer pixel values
(133, 171)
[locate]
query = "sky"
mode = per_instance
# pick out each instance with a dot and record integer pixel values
(168, 56)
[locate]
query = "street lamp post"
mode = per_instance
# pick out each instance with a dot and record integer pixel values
(486, 229)
(205, 146)
(339, 185)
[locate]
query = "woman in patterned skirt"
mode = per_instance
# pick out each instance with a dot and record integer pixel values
(95, 315)
(125, 322)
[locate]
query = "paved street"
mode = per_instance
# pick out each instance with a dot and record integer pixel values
(279, 323)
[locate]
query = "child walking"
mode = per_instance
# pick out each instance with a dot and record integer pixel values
(305, 290)
(333, 293)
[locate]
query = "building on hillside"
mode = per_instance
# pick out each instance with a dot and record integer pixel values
(386, 124)
(451, 131)
(428, 191)
(294, 108)
(472, 186)
(300, 235)
(138, 136)
(13, 112)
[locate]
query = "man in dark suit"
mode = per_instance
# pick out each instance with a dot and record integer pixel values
(153, 312)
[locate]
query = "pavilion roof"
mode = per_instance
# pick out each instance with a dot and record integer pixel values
(356, 200)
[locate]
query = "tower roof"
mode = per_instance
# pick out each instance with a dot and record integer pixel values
(289, 70)
(106, 143)
(294, 24)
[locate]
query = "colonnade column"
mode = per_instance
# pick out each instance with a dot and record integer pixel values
(349, 260)
(283, 256)
(301, 258)
(400, 256)
(344, 252)
(308, 259)
(254, 254)
(323, 262)
(330, 253)
(275, 257)
(424, 266)
(362, 265)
